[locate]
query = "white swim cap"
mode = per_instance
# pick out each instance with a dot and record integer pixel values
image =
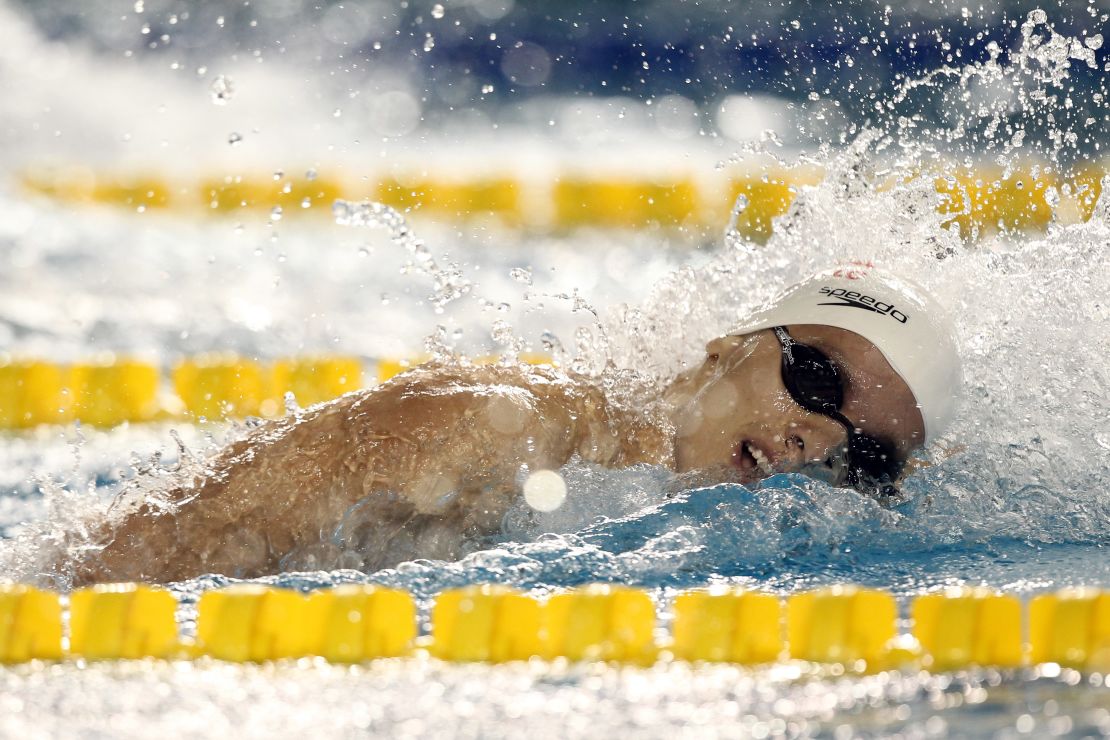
(906, 324)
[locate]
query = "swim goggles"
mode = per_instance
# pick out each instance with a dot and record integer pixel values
(813, 381)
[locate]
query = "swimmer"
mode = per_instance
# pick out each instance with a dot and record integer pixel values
(842, 378)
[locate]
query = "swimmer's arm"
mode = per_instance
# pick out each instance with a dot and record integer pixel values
(448, 447)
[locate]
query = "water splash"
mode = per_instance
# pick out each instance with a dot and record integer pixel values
(448, 282)
(1022, 461)
(76, 507)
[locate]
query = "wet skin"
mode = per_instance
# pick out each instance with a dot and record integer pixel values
(734, 409)
(433, 458)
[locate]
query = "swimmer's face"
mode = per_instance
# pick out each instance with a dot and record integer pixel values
(733, 410)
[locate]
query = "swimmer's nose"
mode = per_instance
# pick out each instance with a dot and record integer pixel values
(814, 442)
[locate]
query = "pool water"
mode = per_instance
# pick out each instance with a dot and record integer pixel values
(1014, 497)
(1007, 515)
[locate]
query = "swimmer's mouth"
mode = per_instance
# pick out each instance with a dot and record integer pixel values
(750, 458)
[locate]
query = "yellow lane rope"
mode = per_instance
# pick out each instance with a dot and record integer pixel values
(848, 626)
(114, 390)
(979, 201)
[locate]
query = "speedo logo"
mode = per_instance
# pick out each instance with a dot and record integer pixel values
(858, 300)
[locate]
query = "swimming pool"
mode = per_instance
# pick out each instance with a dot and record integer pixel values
(1010, 528)
(1014, 500)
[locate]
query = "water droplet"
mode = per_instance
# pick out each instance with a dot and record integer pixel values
(449, 281)
(487, 89)
(437, 11)
(1052, 196)
(1094, 42)
(502, 332)
(795, 24)
(234, 138)
(221, 90)
(550, 342)
(733, 237)
(337, 113)
(292, 408)
(1038, 16)
(275, 213)
(139, 6)
(344, 213)
(521, 275)
(429, 42)
(311, 174)
(278, 174)
(306, 202)
(739, 206)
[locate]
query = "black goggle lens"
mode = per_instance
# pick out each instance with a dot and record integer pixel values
(813, 381)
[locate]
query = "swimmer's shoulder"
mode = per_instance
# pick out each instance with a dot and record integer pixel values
(450, 376)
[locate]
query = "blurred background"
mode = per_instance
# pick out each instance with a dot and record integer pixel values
(521, 113)
(676, 69)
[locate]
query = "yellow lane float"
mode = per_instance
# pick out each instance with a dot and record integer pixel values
(846, 626)
(486, 623)
(601, 622)
(728, 625)
(30, 624)
(111, 391)
(1071, 627)
(33, 392)
(976, 200)
(961, 627)
(353, 623)
(122, 620)
(843, 624)
(253, 623)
